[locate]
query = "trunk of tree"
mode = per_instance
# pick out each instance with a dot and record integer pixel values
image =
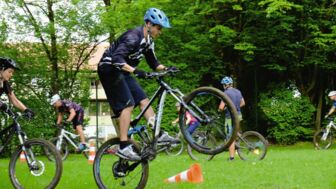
(319, 110)
(53, 52)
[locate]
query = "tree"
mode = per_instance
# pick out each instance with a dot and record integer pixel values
(66, 32)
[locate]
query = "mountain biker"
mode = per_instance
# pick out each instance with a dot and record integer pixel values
(332, 96)
(7, 69)
(118, 64)
(76, 116)
(238, 101)
(191, 121)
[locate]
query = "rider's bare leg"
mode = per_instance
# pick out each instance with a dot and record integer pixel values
(124, 121)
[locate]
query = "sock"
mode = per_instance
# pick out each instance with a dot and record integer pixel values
(123, 144)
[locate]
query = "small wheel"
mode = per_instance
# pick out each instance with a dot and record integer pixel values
(322, 142)
(63, 148)
(175, 148)
(203, 102)
(34, 169)
(251, 146)
(111, 171)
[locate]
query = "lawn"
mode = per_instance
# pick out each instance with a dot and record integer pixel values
(290, 167)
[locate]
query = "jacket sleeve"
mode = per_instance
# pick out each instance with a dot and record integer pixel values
(125, 47)
(151, 58)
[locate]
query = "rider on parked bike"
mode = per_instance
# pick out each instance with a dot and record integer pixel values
(115, 70)
(76, 116)
(7, 68)
(238, 101)
(191, 121)
(332, 96)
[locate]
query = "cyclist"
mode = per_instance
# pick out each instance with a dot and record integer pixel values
(76, 116)
(7, 68)
(332, 96)
(238, 101)
(118, 64)
(191, 120)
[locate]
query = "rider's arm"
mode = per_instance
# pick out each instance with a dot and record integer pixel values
(221, 106)
(175, 121)
(16, 102)
(188, 119)
(72, 114)
(242, 102)
(127, 68)
(59, 117)
(332, 109)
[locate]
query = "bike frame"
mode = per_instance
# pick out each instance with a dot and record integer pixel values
(65, 134)
(15, 128)
(161, 94)
(330, 125)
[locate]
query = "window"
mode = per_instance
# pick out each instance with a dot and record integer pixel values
(103, 108)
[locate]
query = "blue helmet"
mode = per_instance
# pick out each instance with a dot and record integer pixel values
(227, 80)
(156, 16)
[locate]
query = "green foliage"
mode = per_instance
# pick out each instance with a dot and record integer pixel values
(292, 117)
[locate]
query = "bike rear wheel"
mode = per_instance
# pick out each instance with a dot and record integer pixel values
(204, 101)
(107, 164)
(251, 146)
(34, 169)
(322, 143)
(63, 148)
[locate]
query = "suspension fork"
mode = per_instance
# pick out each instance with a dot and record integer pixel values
(29, 155)
(60, 140)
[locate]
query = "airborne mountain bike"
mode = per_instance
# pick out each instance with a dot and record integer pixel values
(111, 171)
(33, 169)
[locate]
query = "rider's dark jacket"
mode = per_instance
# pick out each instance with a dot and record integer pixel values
(130, 48)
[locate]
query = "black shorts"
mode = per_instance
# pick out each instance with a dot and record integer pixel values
(78, 119)
(121, 89)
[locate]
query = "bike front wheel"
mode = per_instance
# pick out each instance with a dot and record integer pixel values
(251, 146)
(111, 171)
(30, 166)
(62, 148)
(322, 140)
(204, 102)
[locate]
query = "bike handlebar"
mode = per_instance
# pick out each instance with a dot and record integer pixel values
(330, 119)
(152, 75)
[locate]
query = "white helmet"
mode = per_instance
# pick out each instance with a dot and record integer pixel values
(332, 93)
(54, 99)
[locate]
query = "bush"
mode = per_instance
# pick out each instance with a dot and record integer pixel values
(292, 116)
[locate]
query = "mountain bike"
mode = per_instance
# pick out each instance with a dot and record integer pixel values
(66, 139)
(111, 171)
(250, 145)
(33, 170)
(324, 137)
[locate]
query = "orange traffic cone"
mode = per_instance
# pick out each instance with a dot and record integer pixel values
(22, 157)
(92, 153)
(193, 175)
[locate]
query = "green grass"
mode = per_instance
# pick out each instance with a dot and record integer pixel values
(293, 167)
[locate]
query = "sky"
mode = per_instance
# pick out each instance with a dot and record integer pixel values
(18, 31)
